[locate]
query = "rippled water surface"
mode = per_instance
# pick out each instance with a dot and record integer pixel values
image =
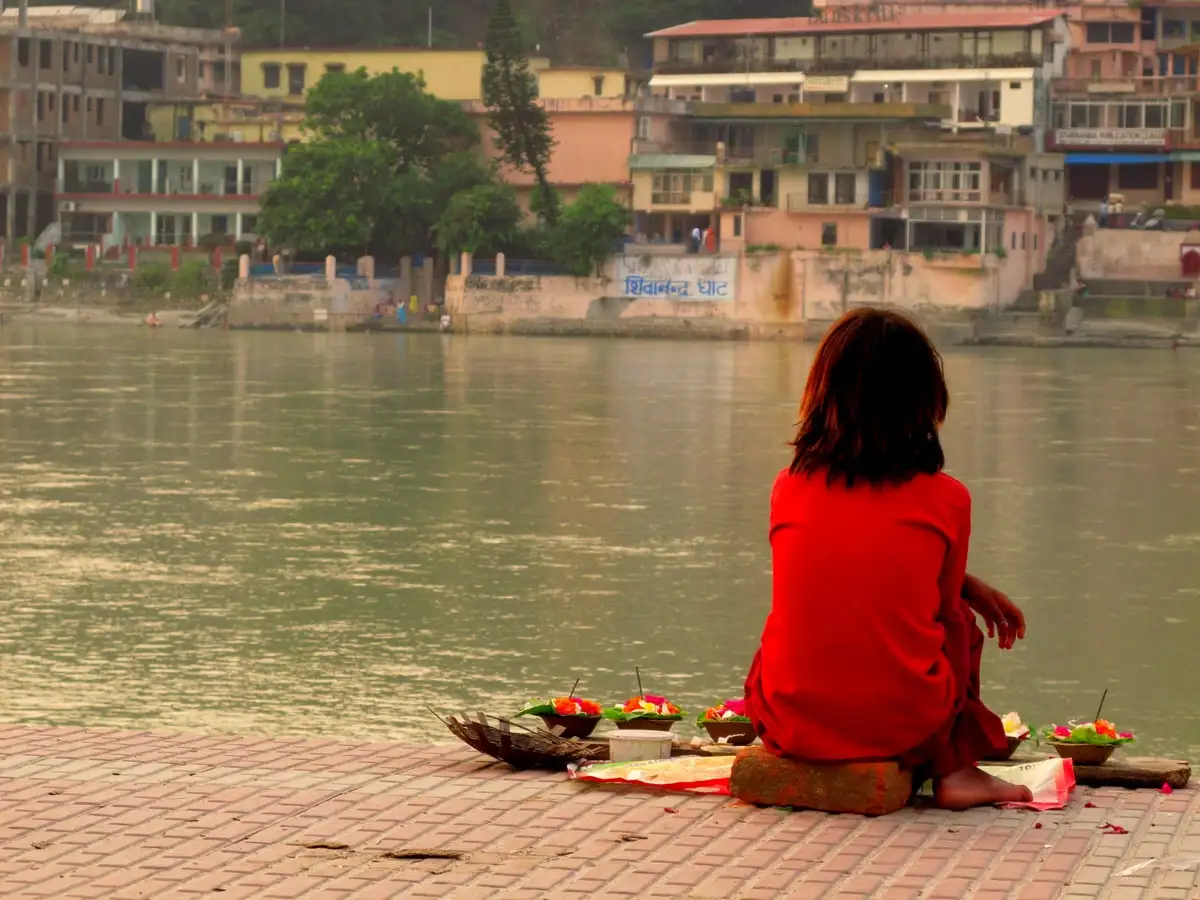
(288, 533)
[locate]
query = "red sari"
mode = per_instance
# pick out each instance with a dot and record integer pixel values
(869, 651)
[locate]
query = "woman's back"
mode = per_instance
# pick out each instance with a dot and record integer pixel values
(866, 582)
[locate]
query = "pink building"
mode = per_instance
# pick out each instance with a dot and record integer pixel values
(594, 135)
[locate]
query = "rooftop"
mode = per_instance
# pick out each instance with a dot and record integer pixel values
(961, 21)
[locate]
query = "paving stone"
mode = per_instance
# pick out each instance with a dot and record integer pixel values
(192, 814)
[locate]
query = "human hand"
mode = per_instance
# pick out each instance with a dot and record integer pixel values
(1003, 618)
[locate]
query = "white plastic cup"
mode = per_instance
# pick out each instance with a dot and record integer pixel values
(630, 745)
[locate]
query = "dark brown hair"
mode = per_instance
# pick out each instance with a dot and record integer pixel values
(873, 403)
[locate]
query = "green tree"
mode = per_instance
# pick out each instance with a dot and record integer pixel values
(521, 124)
(393, 107)
(590, 229)
(336, 196)
(483, 219)
(384, 159)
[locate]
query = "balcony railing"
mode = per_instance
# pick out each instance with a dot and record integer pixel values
(725, 64)
(1149, 86)
(757, 155)
(848, 111)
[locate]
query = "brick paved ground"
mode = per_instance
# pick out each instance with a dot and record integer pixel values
(98, 813)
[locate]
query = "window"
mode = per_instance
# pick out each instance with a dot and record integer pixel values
(1174, 28)
(676, 188)
(75, 52)
(90, 53)
(1121, 33)
(643, 128)
(737, 220)
(1096, 70)
(1156, 117)
(23, 51)
(818, 188)
(598, 85)
(112, 60)
(1129, 116)
(74, 103)
(335, 67)
(1035, 241)
(1014, 85)
(1085, 115)
(65, 106)
(41, 106)
(45, 49)
(180, 69)
(829, 234)
(1014, 240)
(66, 55)
(296, 76)
(271, 75)
(948, 181)
(50, 101)
(1022, 240)
(99, 110)
(249, 224)
(89, 104)
(220, 225)
(100, 58)
(1110, 33)
(844, 188)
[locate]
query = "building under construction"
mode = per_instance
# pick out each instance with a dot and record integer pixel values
(83, 74)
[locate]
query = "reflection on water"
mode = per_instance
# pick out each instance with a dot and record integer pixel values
(290, 533)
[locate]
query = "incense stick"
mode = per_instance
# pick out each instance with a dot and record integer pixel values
(571, 696)
(641, 693)
(1103, 697)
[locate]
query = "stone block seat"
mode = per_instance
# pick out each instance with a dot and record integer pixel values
(870, 789)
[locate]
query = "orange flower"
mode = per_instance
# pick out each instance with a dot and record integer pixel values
(672, 709)
(632, 705)
(565, 706)
(589, 707)
(1105, 728)
(713, 713)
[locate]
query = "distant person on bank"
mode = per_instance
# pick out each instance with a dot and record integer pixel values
(871, 650)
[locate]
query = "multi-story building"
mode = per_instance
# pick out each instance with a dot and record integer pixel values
(1125, 110)
(177, 193)
(80, 74)
(869, 128)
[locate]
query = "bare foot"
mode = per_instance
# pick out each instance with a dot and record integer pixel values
(973, 787)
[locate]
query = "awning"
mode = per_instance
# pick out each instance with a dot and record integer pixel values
(1185, 156)
(1120, 159)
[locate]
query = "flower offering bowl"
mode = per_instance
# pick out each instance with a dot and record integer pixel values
(739, 734)
(1084, 754)
(572, 726)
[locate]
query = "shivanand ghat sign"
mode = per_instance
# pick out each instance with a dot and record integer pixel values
(699, 277)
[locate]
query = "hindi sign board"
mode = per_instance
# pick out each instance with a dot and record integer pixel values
(694, 277)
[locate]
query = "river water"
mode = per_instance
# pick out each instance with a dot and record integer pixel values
(326, 534)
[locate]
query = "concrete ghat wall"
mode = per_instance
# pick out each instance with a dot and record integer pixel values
(777, 289)
(1130, 255)
(304, 301)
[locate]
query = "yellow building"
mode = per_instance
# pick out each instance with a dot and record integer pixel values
(289, 73)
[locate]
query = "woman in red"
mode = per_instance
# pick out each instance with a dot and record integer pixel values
(871, 650)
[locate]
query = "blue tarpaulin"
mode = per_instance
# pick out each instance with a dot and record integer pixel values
(1104, 159)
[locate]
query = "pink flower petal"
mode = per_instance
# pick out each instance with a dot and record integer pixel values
(1167, 789)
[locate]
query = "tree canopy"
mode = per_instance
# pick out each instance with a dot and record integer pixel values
(384, 158)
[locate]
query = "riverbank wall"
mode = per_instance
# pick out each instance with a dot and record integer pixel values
(796, 295)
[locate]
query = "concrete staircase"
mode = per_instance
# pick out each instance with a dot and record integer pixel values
(1060, 264)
